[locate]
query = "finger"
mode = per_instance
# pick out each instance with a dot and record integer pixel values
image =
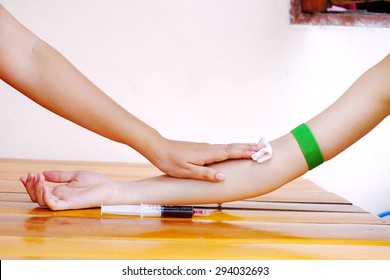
(30, 187)
(253, 147)
(39, 186)
(206, 174)
(59, 176)
(23, 179)
(230, 151)
(236, 151)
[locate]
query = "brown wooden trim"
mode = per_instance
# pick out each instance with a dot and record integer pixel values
(342, 2)
(315, 6)
(297, 16)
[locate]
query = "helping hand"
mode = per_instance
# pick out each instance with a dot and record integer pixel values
(187, 159)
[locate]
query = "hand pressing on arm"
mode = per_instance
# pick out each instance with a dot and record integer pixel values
(363, 106)
(192, 160)
(42, 74)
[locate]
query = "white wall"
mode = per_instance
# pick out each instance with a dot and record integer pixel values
(216, 71)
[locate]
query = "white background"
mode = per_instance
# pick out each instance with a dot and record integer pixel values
(213, 71)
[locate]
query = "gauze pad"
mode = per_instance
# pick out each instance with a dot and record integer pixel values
(265, 153)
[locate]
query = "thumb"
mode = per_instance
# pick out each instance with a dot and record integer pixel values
(59, 176)
(206, 174)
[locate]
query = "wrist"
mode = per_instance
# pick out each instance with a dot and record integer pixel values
(118, 194)
(146, 141)
(113, 193)
(155, 148)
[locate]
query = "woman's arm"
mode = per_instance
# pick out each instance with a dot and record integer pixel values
(42, 74)
(354, 114)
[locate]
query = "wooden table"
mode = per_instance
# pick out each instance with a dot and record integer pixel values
(298, 221)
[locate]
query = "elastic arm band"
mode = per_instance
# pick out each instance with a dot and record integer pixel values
(309, 146)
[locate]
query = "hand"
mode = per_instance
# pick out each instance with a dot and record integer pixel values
(78, 189)
(187, 159)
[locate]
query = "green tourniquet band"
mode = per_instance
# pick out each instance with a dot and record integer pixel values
(309, 146)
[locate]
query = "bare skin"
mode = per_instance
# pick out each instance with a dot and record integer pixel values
(41, 73)
(363, 106)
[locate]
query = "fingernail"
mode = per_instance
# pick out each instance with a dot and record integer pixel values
(220, 176)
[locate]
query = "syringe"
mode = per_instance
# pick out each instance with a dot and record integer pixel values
(151, 210)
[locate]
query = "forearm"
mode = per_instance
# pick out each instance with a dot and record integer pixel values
(41, 73)
(62, 89)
